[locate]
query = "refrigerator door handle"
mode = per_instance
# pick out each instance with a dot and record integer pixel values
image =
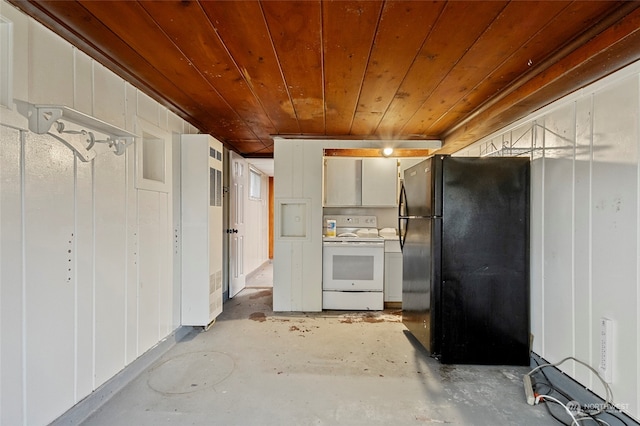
(402, 200)
(401, 217)
(401, 235)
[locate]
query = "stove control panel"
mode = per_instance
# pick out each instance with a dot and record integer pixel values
(345, 221)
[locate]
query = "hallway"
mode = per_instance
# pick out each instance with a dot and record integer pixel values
(261, 277)
(257, 367)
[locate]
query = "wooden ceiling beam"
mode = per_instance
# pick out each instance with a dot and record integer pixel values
(373, 152)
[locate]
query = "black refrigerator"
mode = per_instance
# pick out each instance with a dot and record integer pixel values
(464, 233)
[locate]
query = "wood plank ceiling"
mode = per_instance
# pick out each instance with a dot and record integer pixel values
(245, 71)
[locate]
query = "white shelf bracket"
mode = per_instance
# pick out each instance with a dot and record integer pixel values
(43, 117)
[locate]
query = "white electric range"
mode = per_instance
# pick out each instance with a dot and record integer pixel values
(353, 265)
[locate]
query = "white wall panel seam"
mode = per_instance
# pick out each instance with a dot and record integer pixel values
(131, 238)
(93, 87)
(74, 77)
(159, 262)
(24, 275)
(573, 236)
(125, 334)
(127, 185)
(590, 231)
(137, 263)
(1, 382)
(542, 244)
(75, 274)
(638, 248)
(75, 232)
(93, 275)
(124, 261)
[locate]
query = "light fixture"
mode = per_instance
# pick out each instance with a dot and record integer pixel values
(387, 151)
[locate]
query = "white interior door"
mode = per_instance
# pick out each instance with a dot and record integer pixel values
(236, 221)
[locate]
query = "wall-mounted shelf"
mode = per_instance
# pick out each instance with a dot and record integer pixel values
(43, 117)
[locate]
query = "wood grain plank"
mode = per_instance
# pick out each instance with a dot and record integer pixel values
(205, 52)
(517, 24)
(128, 20)
(346, 54)
(296, 32)
(613, 49)
(578, 16)
(242, 28)
(450, 39)
(403, 28)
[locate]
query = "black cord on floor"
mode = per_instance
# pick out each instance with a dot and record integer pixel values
(559, 420)
(568, 398)
(617, 417)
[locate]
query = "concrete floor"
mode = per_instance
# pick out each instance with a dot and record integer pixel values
(261, 277)
(254, 367)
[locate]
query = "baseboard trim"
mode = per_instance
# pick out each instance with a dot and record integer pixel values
(92, 402)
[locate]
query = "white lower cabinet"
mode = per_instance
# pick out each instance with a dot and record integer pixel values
(392, 271)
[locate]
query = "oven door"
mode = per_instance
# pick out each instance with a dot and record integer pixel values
(357, 266)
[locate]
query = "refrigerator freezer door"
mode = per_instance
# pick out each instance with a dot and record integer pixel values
(485, 261)
(422, 188)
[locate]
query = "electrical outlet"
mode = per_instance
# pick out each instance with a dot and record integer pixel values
(606, 347)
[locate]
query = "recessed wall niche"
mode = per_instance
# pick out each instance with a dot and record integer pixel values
(152, 157)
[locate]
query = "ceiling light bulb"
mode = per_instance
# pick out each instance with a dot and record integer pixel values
(387, 151)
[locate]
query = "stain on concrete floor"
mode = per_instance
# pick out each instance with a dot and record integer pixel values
(262, 293)
(258, 316)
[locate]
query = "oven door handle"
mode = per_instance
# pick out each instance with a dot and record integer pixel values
(354, 244)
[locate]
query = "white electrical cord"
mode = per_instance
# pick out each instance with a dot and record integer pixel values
(609, 394)
(573, 419)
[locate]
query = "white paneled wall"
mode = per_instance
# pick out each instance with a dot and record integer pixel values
(257, 226)
(297, 262)
(48, 294)
(585, 227)
(86, 273)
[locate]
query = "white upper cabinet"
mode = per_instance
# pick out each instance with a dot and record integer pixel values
(379, 182)
(370, 182)
(342, 182)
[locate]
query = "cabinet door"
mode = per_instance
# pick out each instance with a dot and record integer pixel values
(379, 182)
(393, 277)
(342, 182)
